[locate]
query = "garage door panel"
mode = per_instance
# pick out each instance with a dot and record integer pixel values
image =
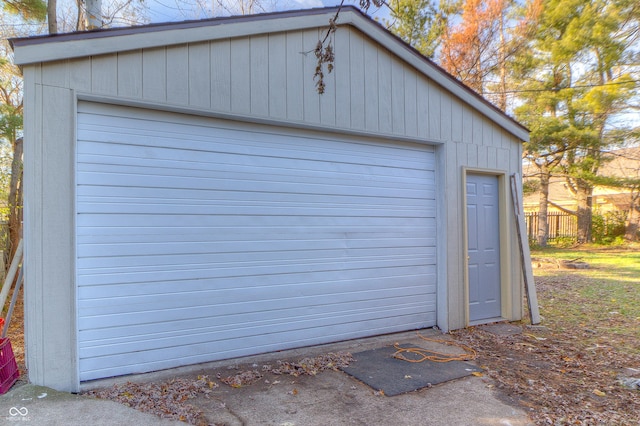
(251, 158)
(229, 281)
(153, 248)
(346, 280)
(234, 314)
(232, 156)
(330, 293)
(176, 329)
(137, 362)
(102, 282)
(92, 266)
(250, 338)
(186, 234)
(241, 316)
(200, 239)
(178, 161)
(216, 195)
(183, 209)
(305, 172)
(349, 188)
(114, 277)
(160, 263)
(261, 143)
(206, 191)
(238, 221)
(208, 197)
(240, 326)
(244, 330)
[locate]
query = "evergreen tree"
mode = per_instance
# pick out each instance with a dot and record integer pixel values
(35, 10)
(577, 76)
(421, 23)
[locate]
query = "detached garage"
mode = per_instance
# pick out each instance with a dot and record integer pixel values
(189, 197)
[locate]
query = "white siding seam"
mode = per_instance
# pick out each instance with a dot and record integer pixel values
(251, 73)
(269, 112)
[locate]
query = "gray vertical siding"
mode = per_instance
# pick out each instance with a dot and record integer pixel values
(271, 76)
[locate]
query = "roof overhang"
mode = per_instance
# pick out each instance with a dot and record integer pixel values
(82, 44)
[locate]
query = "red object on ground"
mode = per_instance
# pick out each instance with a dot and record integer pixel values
(9, 372)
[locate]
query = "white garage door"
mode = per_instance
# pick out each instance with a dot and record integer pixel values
(202, 239)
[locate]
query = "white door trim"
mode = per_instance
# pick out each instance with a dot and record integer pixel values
(505, 259)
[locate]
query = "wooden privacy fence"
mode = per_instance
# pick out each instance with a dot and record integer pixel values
(561, 225)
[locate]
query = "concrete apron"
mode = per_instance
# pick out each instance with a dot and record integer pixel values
(330, 398)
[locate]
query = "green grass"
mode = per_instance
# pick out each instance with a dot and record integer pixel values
(600, 305)
(625, 257)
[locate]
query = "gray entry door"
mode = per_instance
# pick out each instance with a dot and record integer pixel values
(483, 224)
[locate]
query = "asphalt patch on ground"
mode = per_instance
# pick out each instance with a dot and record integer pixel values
(378, 369)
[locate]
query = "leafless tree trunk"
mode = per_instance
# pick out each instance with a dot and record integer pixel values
(52, 16)
(584, 197)
(94, 14)
(502, 99)
(543, 225)
(81, 24)
(15, 198)
(633, 219)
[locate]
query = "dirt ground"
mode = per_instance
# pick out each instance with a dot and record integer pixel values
(570, 376)
(566, 374)
(559, 380)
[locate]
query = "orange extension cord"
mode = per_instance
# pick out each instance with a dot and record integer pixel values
(426, 354)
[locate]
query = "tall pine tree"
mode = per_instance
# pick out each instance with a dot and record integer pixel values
(576, 78)
(421, 23)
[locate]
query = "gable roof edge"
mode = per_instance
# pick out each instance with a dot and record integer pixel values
(437, 74)
(30, 50)
(76, 45)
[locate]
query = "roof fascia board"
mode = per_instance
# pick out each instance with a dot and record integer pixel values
(417, 61)
(50, 50)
